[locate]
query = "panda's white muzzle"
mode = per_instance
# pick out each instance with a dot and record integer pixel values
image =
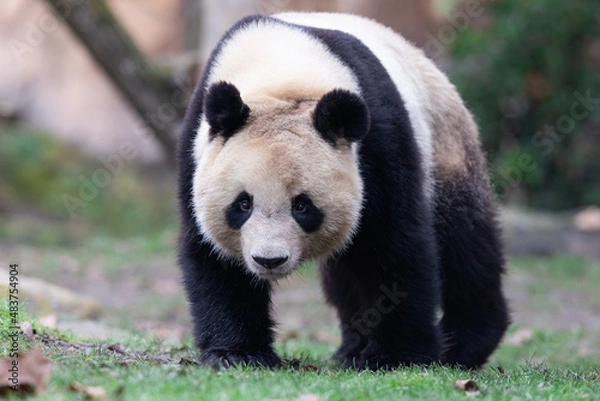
(270, 245)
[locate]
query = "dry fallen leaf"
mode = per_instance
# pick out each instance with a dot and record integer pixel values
(468, 386)
(520, 337)
(28, 373)
(310, 368)
(26, 329)
(289, 335)
(90, 393)
(119, 348)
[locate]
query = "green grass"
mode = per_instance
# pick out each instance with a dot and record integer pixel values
(140, 380)
(566, 271)
(167, 382)
(549, 366)
(39, 172)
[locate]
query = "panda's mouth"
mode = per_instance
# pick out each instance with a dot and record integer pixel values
(273, 276)
(270, 275)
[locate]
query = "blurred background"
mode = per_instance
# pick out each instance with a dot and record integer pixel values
(91, 101)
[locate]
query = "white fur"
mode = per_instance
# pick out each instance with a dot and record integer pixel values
(273, 60)
(270, 59)
(201, 139)
(398, 57)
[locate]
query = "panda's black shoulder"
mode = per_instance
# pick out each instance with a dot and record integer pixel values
(377, 87)
(391, 140)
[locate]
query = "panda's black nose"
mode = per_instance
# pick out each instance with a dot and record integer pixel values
(269, 263)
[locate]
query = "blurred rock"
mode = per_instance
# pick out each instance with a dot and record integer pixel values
(546, 234)
(44, 298)
(588, 220)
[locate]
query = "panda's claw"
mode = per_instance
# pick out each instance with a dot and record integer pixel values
(377, 362)
(218, 359)
(361, 360)
(374, 357)
(346, 357)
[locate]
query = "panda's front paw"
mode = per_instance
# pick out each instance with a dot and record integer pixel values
(345, 358)
(376, 361)
(347, 355)
(378, 357)
(219, 358)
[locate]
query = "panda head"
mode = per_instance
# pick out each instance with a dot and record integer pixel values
(277, 181)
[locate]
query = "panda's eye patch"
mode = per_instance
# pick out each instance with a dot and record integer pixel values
(239, 210)
(306, 214)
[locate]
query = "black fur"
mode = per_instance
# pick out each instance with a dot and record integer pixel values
(395, 245)
(222, 297)
(341, 114)
(235, 216)
(404, 261)
(311, 218)
(225, 111)
(475, 311)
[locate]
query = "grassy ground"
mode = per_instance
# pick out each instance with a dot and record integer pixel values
(538, 360)
(149, 381)
(119, 251)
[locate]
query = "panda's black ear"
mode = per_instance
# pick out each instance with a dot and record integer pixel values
(224, 109)
(341, 114)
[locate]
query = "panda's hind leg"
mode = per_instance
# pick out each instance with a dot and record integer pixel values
(475, 311)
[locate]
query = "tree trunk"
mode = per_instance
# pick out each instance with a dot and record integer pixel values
(155, 98)
(192, 23)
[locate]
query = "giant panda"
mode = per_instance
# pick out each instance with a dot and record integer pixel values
(328, 137)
